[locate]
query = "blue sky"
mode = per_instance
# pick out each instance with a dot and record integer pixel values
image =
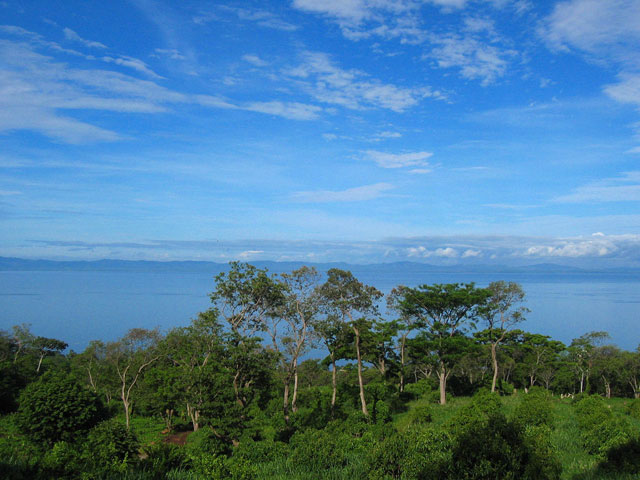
(441, 131)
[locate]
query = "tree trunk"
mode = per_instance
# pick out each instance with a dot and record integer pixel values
(607, 387)
(363, 401)
(334, 382)
(126, 412)
(582, 382)
(442, 375)
(294, 399)
(285, 402)
(39, 363)
(402, 344)
(494, 360)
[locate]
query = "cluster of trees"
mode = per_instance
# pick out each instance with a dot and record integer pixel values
(261, 325)
(251, 351)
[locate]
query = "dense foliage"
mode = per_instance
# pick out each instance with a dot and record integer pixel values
(444, 387)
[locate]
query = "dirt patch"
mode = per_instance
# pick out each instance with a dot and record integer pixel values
(179, 438)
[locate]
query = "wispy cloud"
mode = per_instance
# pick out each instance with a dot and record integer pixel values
(399, 160)
(477, 59)
(73, 36)
(262, 18)
(290, 110)
(36, 89)
(608, 30)
(356, 194)
(328, 83)
(627, 90)
(254, 60)
(625, 188)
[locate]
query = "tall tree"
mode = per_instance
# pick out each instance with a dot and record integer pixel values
(333, 332)
(245, 297)
(131, 356)
(582, 352)
(501, 313)
(190, 349)
(296, 316)
(404, 325)
(445, 311)
(347, 298)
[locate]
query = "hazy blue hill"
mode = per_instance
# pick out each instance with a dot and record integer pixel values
(19, 264)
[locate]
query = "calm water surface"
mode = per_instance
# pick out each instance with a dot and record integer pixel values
(81, 306)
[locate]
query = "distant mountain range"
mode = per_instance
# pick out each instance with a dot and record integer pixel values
(20, 264)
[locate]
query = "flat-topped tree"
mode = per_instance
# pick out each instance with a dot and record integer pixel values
(46, 347)
(348, 299)
(246, 298)
(444, 312)
(500, 314)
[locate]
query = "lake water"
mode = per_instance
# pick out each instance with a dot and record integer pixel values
(81, 306)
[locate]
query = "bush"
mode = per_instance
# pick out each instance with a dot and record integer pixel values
(600, 430)
(163, 457)
(633, 409)
(487, 445)
(421, 414)
(204, 440)
(381, 412)
(418, 453)
(535, 409)
(56, 408)
(315, 451)
(263, 451)
(110, 447)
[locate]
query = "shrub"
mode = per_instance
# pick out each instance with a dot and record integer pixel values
(110, 447)
(535, 409)
(163, 457)
(381, 412)
(421, 414)
(633, 409)
(315, 451)
(487, 445)
(418, 453)
(56, 407)
(600, 430)
(204, 440)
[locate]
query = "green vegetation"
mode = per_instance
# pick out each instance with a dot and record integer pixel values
(425, 395)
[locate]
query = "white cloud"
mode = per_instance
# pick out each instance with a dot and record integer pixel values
(598, 246)
(133, 63)
(627, 90)
(360, 19)
(608, 29)
(625, 188)
(423, 252)
(73, 36)
(471, 253)
(254, 60)
(399, 160)
(291, 110)
(328, 83)
(476, 59)
(420, 171)
(389, 135)
(356, 194)
(262, 18)
(249, 254)
(35, 89)
(172, 53)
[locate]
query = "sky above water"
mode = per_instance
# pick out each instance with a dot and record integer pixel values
(441, 131)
